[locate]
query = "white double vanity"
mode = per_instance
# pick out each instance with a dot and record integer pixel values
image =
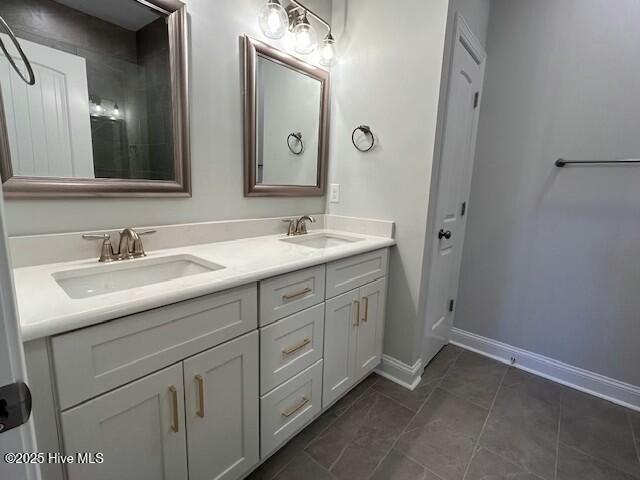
(199, 361)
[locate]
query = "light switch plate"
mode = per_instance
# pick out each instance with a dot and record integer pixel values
(334, 193)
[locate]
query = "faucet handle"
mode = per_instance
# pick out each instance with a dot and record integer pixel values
(138, 248)
(301, 228)
(291, 230)
(96, 236)
(106, 251)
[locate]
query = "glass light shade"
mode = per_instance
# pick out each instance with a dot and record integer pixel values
(328, 51)
(306, 39)
(273, 19)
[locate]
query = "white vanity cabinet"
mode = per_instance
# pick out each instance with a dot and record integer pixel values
(348, 312)
(143, 428)
(210, 387)
(354, 323)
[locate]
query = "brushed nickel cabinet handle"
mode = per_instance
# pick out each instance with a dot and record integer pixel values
(365, 300)
(357, 316)
(292, 410)
(288, 351)
(292, 296)
(200, 382)
(175, 424)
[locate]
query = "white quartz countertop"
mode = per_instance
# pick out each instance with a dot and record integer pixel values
(45, 309)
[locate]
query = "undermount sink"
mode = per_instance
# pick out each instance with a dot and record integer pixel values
(115, 277)
(321, 240)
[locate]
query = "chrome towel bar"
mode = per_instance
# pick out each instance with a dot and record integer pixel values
(561, 162)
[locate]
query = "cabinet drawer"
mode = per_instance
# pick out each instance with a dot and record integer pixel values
(349, 273)
(288, 408)
(94, 360)
(290, 293)
(290, 345)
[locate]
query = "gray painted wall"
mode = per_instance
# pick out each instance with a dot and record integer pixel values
(388, 77)
(551, 260)
(216, 141)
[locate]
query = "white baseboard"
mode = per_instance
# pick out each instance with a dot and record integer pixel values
(615, 391)
(408, 376)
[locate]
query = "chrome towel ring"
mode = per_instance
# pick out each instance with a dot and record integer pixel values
(31, 78)
(298, 137)
(367, 131)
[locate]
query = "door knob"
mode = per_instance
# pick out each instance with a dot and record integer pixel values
(444, 234)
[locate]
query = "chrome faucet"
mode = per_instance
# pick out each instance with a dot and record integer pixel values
(301, 224)
(292, 227)
(129, 247)
(128, 239)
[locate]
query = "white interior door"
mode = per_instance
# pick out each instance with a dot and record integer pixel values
(454, 183)
(48, 124)
(12, 368)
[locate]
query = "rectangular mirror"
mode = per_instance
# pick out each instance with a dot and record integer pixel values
(286, 123)
(108, 113)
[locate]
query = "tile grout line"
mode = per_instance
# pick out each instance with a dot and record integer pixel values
(321, 432)
(302, 449)
(318, 464)
(511, 462)
(339, 457)
(404, 430)
(601, 460)
(486, 420)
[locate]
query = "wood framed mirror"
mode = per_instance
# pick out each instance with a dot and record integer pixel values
(286, 123)
(108, 115)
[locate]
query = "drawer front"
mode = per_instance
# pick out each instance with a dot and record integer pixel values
(290, 345)
(288, 408)
(94, 360)
(290, 293)
(354, 272)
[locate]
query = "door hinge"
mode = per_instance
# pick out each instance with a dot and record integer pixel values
(463, 210)
(476, 100)
(451, 304)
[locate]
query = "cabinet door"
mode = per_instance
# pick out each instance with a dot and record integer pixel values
(340, 331)
(139, 428)
(370, 330)
(222, 410)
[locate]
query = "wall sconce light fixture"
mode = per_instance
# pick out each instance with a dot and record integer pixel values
(275, 20)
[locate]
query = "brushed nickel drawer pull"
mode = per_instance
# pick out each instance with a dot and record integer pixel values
(365, 300)
(292, 296)
(288, 351)
(200, 382)
(291, 411)
(357, 316)
(175, 423)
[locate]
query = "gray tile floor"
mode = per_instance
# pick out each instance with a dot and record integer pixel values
(471, 418)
